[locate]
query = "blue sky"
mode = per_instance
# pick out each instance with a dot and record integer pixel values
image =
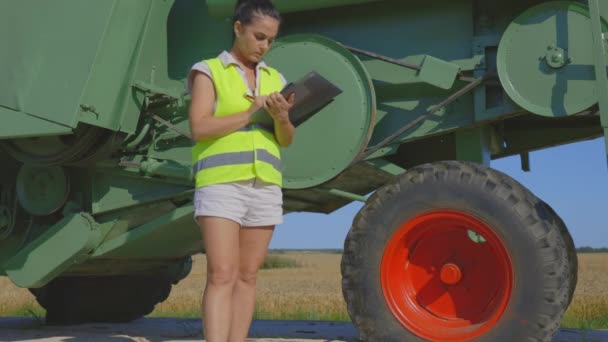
(572, 178)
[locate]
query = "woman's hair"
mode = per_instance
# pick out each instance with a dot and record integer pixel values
(246, 10)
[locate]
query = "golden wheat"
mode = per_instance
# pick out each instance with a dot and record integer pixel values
(14, 300)
(313, 291)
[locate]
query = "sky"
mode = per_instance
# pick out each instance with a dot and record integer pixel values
(572, 178)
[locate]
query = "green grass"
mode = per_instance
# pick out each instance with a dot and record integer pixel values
(176, 314)
(276, 261)
(302, 316)
(297, 315)
(598, 321)
(569, 321)
(587, 312)
(31, 310)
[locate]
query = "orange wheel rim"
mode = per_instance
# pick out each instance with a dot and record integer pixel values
(446, 276)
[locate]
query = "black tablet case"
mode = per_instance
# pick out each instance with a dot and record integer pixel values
(312, 92)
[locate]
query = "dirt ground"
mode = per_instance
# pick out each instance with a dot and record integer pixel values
(169, 330)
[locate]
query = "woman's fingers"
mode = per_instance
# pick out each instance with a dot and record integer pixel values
(280, 101)
(275, 102)
(291, 99)
(277, 106)
(272, 100)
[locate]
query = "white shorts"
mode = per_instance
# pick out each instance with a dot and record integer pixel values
(250, 203)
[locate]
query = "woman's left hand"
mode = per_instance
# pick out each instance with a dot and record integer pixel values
(278, 107)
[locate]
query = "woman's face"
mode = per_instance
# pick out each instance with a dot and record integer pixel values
(255, 39)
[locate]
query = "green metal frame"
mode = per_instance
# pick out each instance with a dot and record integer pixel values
(125, 69)
(601, 55)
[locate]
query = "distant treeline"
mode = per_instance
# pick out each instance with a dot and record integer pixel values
(333, 251)
(586, 249)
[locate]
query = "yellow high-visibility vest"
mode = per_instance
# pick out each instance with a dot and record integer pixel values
(245, 154)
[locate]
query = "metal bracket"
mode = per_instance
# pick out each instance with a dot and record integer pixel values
(160, 97)
(433, 71)
(343, 194)
(170, 126)
(155, 95)
(525, 161)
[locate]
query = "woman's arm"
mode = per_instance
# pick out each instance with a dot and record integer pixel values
(284, 132)
(203, 125)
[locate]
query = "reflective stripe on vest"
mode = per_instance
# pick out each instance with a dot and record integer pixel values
(251, 152)
(235, 158)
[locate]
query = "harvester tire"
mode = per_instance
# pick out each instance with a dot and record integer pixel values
(571, 252)
(112, 299)
(455, 251)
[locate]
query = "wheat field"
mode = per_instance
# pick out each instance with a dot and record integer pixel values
(589, 307)
(312, 291)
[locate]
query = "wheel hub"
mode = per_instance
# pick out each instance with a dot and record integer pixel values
(42, 190)
(556, 57)
(450, 274)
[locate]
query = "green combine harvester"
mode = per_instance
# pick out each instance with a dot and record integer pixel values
(96, 181)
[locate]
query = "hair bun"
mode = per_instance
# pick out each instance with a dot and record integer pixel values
(241, 2)
(245, 9)
(255, 3)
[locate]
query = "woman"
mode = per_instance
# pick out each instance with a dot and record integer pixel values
(238, 198)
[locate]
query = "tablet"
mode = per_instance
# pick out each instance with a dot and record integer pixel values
(313, 92)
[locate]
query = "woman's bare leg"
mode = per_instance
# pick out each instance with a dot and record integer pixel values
(253, 245)
(221, 241)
